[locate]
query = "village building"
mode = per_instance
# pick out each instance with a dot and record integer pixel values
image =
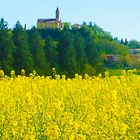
(111, 57)
(54, 23)
(76, 26)
(135, 53)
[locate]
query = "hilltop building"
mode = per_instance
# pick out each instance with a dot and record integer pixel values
(135, 53)
(111, 57)
(76, 26)
(51, 23)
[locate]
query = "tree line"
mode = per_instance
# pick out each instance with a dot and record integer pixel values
(69, 51)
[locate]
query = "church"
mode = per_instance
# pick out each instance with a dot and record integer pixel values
(54, 23)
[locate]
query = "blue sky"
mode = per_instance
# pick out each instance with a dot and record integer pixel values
(120, 17)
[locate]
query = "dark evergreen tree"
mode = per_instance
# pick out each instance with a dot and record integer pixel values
(6, 47)
(92, 52)
(122, 41)
(23, 58)
(3, 24)
(80, 47)
(90, 24)
(126, 42)
(51, 53)
(67, 53)
(37, 44)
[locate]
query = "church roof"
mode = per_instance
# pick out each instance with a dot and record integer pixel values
(46, 20)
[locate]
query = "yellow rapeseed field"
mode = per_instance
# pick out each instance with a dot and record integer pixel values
(91, 108)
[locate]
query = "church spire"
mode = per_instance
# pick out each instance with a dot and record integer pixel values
(57, 14)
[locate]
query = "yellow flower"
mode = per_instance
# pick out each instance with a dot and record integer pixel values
(95, 108)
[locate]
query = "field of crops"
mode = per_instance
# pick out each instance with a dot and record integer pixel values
(70, 109)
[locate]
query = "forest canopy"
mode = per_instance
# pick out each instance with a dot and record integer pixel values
(88, 49)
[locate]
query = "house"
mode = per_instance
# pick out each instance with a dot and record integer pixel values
(136, 53)
(54, 23)
(76, 26)
(111, 57)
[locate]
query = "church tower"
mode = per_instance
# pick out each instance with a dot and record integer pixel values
(57, 14)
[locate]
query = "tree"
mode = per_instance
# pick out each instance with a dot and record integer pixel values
(92, 52)
(67, 53)
(122, 41)
(51, 53)
(36, 44)
(80, 46)
(126, 42)
(22, 55)
(67, 25)
(6, 47)
(99, 32)
(116, 40)
(133, 44)
(3, 24)
(90, 24)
